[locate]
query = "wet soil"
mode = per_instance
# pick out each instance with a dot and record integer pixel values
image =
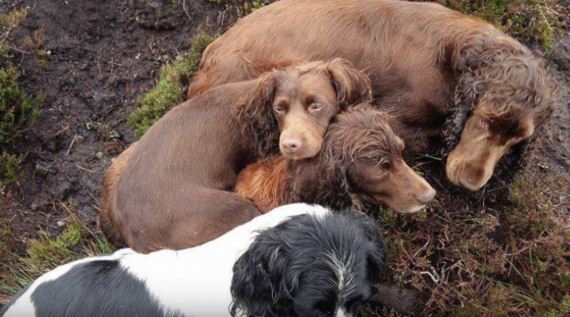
(91, 61)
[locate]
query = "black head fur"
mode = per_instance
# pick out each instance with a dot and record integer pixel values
(293, 269)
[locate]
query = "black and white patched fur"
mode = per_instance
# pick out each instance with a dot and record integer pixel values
(310, 266)
(309, 258)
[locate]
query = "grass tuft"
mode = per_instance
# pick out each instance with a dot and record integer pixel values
(170, 88)
(47, 251)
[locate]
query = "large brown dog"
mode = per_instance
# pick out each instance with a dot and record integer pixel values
(361, 161)
(170, 189)
(428, 64)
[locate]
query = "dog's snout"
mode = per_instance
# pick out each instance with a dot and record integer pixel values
(472, 177)
(427, 195)
(291, 145)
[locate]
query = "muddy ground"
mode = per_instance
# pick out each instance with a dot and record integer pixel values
(100, 57)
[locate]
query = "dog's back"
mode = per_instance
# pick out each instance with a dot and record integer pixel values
(109, 195)
(169, 191)
(381, 36)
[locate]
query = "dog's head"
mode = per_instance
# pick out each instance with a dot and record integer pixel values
(310, 266)
(362, 151)
(499, 105)
(304, 98)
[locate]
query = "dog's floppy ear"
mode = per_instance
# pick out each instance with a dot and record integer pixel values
(352, 86)
(376, 257)
(467, 90)
(257, 283)
(255, 115)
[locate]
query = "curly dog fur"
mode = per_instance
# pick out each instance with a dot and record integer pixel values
(361, 161)
(432, 68)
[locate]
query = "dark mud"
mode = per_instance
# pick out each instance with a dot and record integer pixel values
(91, 61)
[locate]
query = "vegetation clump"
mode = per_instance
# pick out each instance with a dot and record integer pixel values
(528, 20)
(48, 251)
(501, 255)
(18, 110)
(170, 89)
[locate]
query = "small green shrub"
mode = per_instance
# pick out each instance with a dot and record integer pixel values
(9, 168)
(170, 88)
(17, 109)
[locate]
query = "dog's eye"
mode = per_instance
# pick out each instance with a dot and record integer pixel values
(350, 304)
(280, 110)
(324, 308)
(485, 123)
(315, 106)
(382, 165)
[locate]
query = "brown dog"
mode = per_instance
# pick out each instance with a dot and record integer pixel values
(169, 190)
(428, 64)
(361, 161)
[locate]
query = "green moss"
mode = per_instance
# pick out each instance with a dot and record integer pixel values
(170, 88)
(13, 18)
(9, 168)
(4, 53)
(544, 31)
(249, 7)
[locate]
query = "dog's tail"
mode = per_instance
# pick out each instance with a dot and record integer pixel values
(404, 301)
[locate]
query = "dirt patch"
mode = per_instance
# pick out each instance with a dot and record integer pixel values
(92, 60)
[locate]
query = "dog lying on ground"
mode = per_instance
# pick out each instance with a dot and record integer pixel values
(170, 189)
(442, 74)
(361, 161)
(296, 260)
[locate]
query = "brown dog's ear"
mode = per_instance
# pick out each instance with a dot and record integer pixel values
(255, 115)
(352, 86)
(259, 103)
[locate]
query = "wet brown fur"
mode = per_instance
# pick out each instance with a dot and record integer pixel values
(172, 188)
(361, 161)
(430, 67)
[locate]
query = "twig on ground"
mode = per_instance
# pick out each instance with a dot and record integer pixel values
(185, 9)
(71, 144)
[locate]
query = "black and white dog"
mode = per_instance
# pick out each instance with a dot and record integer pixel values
(296, 260)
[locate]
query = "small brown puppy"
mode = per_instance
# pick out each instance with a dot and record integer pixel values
(361, 161)
(169, 190)
(441, 73)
